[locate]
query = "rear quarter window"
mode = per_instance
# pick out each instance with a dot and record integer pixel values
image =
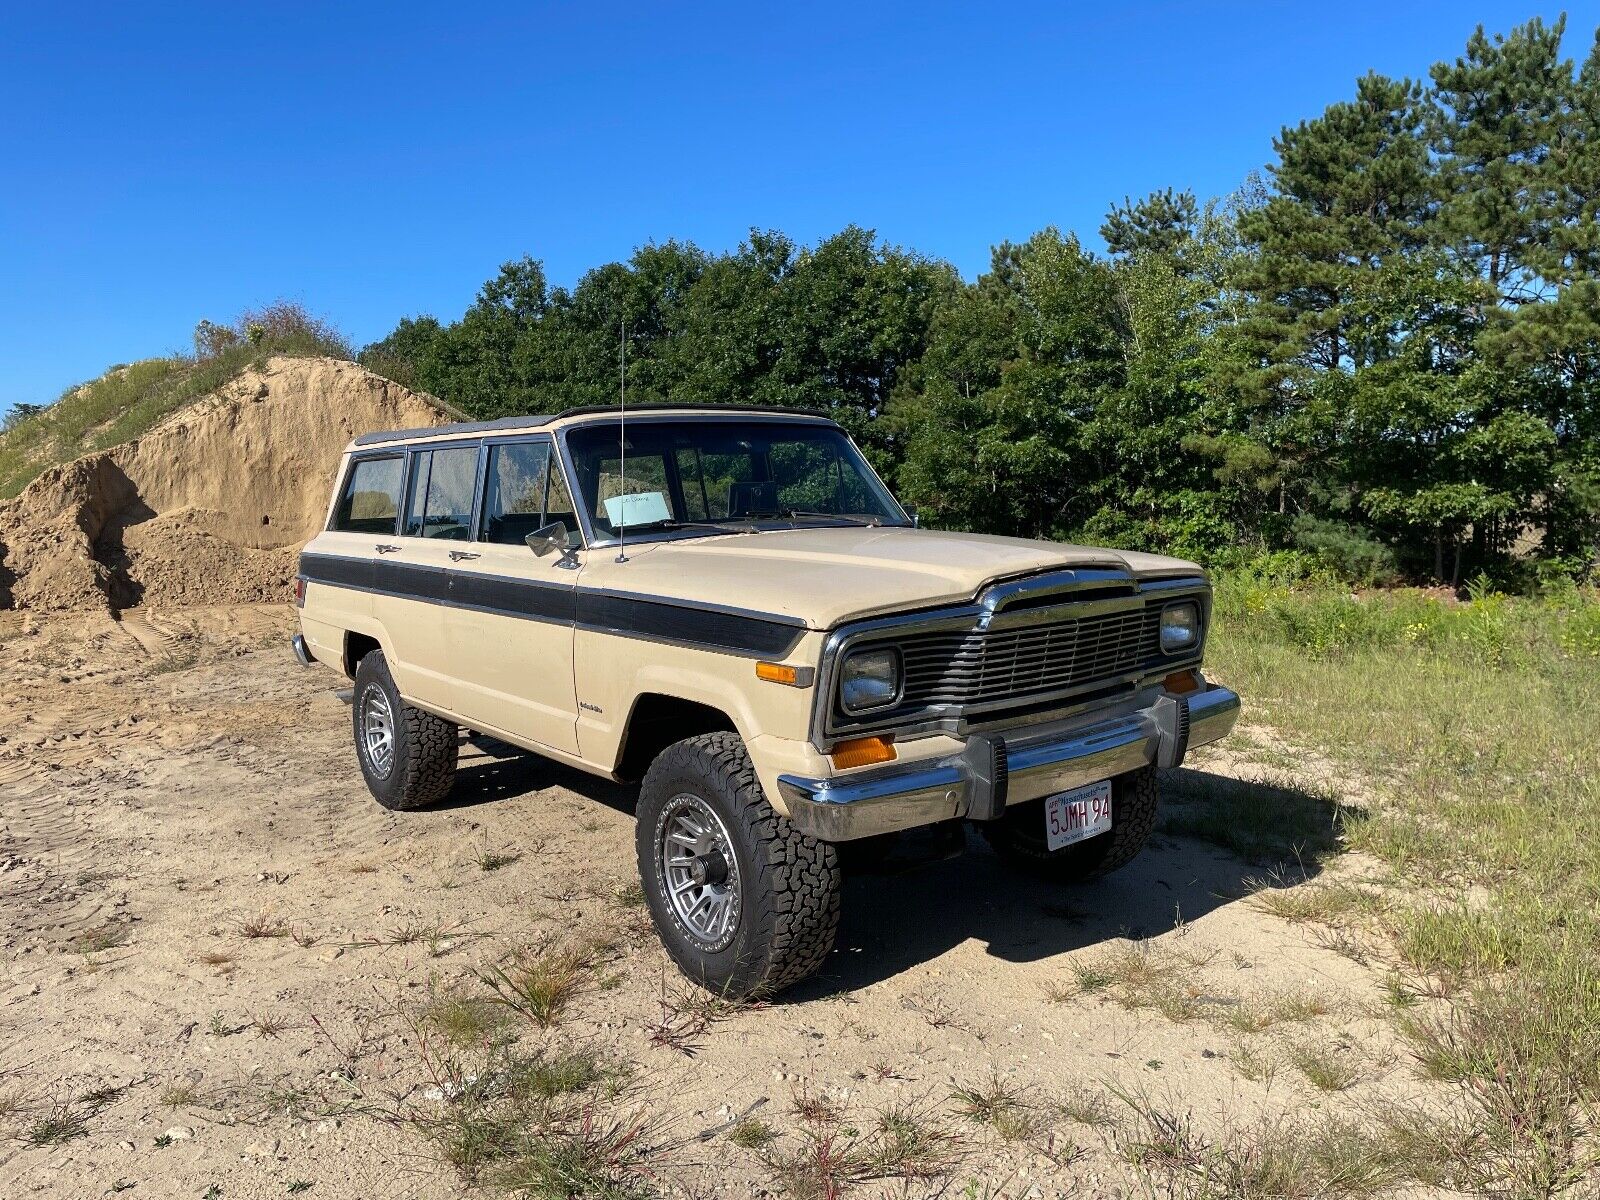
(371, 499)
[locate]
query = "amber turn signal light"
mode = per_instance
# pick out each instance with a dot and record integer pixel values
(863, 752)
(783, 673)
(1181, 683)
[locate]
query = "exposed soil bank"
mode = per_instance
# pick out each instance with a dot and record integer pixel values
(210, 506)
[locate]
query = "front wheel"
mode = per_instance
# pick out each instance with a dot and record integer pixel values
(407, 756)
(1018, 837)
(745, 904)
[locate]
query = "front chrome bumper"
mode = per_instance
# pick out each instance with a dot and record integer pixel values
(993, 767)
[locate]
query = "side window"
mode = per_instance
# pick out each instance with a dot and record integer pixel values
(524, 491)
(558, 504)
(417, 491)
(371, 499)
(513, 494)
(441, 493)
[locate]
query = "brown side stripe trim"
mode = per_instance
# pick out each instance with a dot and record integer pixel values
(756, 635)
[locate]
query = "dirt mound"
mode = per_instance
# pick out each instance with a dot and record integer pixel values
(208, 507)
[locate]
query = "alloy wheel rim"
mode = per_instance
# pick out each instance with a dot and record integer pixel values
(699, 872)
(377, 731)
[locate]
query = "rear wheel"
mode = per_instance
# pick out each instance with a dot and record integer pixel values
(1018, 836)
(407, 756)
(744, 903)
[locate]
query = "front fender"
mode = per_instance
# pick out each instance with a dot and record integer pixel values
(613, 672)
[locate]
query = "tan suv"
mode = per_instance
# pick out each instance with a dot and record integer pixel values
(728, 605)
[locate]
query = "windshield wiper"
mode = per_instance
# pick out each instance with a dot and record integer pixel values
(868, 519)
(727, 526)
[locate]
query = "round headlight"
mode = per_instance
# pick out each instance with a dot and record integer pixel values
(869, 679)
(1180, 628)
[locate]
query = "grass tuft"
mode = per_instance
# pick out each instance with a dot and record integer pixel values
(180, 1093)
(1086, 1106)
(752, 1133)
(687, 1015)
(1282, 1008)
(104, 937)
(61, 1124)
(1457, 943)
(1318, 903)
(493, 860)
(833, 1152)
(1141, 975)
(540, 980)
(268, 1024)
(262, 925)
(462, 1019)
(1522, 1049)
(596, 1157)
(1330, 1068)
(13, 1102)
(629, 895)
(1253, 1064)
(999, 1105)
(539, 1124)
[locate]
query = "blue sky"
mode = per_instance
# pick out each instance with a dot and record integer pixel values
(159, 164)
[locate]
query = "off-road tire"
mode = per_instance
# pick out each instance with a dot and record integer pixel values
(425, 746)
(1018, 836)
(789, 899)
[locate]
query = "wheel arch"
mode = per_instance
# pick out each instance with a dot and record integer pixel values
(357, 646)
(656, 721)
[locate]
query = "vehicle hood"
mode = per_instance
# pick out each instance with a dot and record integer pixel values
(826, 576)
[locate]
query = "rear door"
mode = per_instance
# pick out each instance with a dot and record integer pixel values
(511, 619)
(412, 594)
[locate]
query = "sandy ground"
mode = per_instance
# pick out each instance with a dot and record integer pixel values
(173, 779)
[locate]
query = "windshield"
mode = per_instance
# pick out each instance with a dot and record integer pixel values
(716, 475)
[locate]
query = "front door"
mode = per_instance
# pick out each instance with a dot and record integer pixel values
(511, 612)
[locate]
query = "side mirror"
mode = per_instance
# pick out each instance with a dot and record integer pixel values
(547, 539)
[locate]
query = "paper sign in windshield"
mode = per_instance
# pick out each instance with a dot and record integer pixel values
(638, 508)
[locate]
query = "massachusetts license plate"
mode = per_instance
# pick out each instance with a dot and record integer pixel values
(1081, 813)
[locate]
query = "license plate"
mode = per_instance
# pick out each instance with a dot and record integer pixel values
(1073, 816)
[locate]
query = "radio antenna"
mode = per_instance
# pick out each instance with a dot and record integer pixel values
(622, 444)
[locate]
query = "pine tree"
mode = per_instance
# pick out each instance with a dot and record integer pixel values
(1163, 223)
(1515, 129)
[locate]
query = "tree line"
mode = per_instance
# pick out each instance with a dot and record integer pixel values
(1383, 356)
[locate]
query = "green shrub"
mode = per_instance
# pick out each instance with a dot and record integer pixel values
(1182, 522)
(1346, 550)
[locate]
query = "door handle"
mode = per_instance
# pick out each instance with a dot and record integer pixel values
(383, 549)
(458, 555)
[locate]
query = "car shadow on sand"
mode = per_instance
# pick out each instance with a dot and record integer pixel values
(892, 922)
(490, 770)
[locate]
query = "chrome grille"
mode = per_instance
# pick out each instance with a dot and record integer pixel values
(1017, 664)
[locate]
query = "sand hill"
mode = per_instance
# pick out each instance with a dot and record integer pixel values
(208, 507)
